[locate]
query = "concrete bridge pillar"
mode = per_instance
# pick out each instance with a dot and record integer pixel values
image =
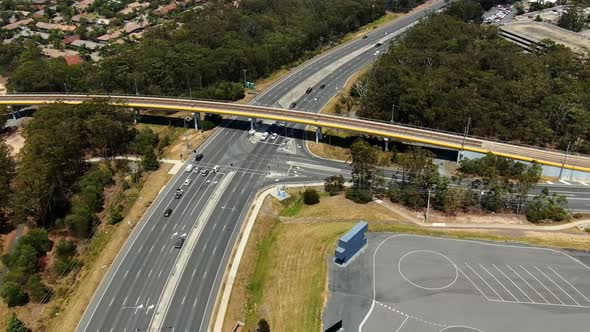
(197, 119)
(318, 134)
(386, 139)
(252, 123)
(135, 115)
(11, 111)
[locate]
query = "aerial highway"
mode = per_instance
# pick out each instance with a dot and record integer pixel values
(548, 157)
(147, 288)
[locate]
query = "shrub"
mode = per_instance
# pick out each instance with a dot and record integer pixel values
(13, 294)
(311, 197)
(38, 238)
(65, 248)
(207, 125)
(116, 215)
(359, 196)
(65, 265)
(334, 184)
(16, 325)
(38, 291)
(149, 161)
(262, 326)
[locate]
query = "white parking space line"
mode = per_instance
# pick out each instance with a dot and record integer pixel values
(546, 276)
(515, 285)
(480, 277)
(584, 183)
(400, 327)
(528, 284)
(548, 182)
(567, 282)
(564, 182)
(541, 284)
(474, 285)
(498, 281)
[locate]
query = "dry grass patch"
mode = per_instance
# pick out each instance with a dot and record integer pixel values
(341, 208)
(329, 151)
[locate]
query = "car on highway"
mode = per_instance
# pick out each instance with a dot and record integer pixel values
(187, 181)
(199, 156)
(205, 172)
(179, 242)
(168, 212)
(322, 86)
(282, 124)
(309, 90)
(293, 104)
(376, 53)
(274, 136)
(365, 37)
(216, 168)
(197, 170)
(178, 193)
(264, 136)
(189, 168)
(378, 44)
(251, 131)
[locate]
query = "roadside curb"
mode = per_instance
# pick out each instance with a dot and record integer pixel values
(244, 235)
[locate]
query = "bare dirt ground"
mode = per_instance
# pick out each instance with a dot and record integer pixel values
(15, 140)
(539, 31)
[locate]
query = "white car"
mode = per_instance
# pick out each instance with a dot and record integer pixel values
(283, 123)
(264, 136)
(251, 131)
(187, 181)
(274, 136)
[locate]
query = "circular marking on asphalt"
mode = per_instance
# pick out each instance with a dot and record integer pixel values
(431, 263)
(460, 328)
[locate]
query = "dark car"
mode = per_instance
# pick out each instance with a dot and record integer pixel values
(322, 86)
(168, 212)
(365, 37)
(179, 242)
(309, 90)
(293, 104)
(205, 172)
(198, 157)
(378, 44)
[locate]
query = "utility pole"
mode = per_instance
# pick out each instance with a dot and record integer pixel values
(465, 133)
(564, 158)
(427, 206)
(185, 133)
(392, 112)
(66, 87)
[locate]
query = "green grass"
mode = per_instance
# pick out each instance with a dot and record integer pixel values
(261, 274)
(587, 230)
(293, 206)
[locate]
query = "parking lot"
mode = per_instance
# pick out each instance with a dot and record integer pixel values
(435, 284)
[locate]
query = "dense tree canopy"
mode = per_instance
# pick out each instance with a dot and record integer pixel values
(444, 71)
(206, 55)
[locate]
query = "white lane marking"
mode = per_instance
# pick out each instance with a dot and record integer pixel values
(541, 284)
(493, 276)
(548, 182)
(152, 248)
(149, 274)
(584, 183)
(204, 274)
(400, 327)
(546, 276)
(193, 275)
(515, 285)
(214, 249)
(204, 247)
(111, 304)
(124, 301)
(480, 277)
(567, 282)
(159, 274)
(125, 276)
(183, 298)
(564, 182)
(195, 303)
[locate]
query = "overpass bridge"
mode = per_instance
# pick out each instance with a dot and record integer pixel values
(555, 158)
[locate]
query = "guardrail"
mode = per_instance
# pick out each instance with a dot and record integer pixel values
(405, 133)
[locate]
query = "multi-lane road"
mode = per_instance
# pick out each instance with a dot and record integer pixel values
(146, 289)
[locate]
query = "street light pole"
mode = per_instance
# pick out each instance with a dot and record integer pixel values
(392, 112)
(66, 87)
(465, 133)
(567, 150)
(245, 81)
(135, 83)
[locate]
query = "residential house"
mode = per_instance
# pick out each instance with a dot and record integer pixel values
(18, 24)
(87, 43)
(135, 26)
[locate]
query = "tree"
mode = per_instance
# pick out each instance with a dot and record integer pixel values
(364, 159)
(334, 184)
(311, 196)
(65, 248)
(149, 161)
(573, 19)
(38, 291)
(466, 10)
(6, 173)
(262, 326)
(13, 294)
(16, 325)
(545, 207)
